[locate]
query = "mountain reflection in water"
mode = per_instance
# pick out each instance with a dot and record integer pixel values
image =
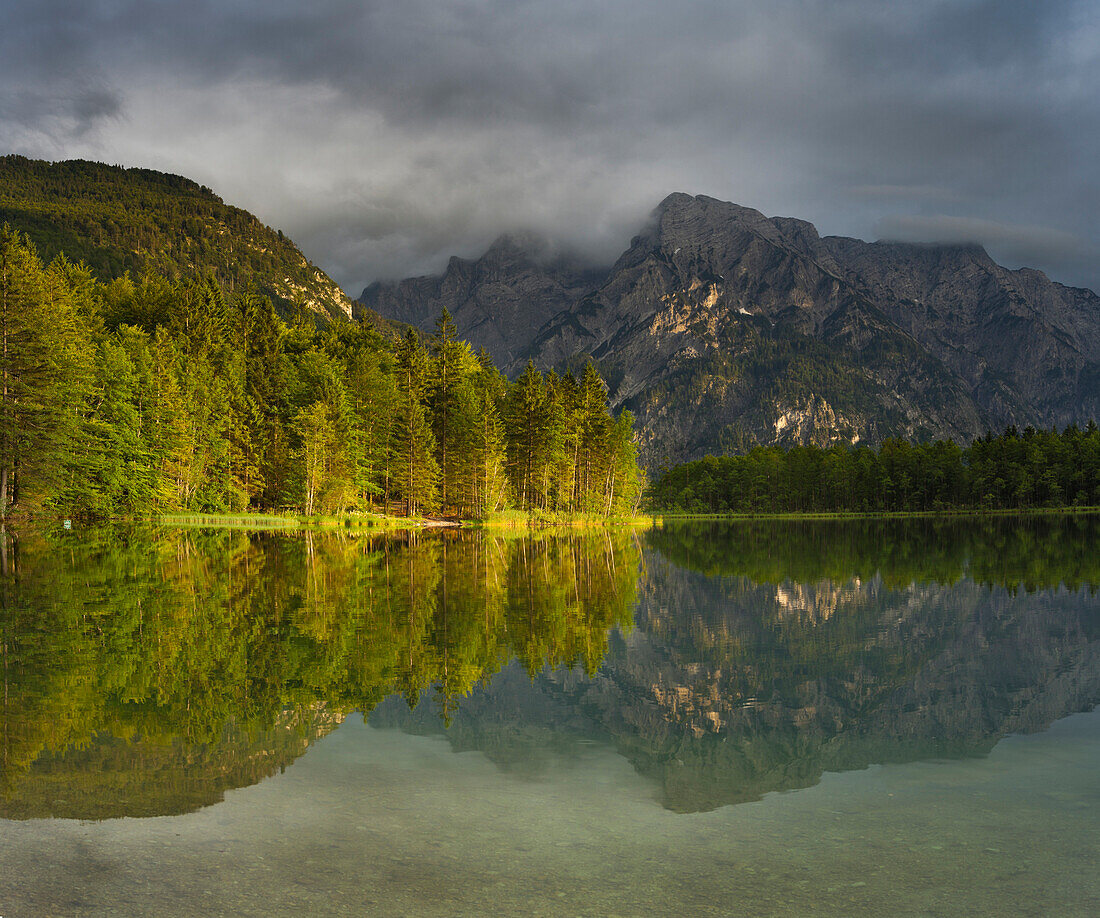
(147, 671)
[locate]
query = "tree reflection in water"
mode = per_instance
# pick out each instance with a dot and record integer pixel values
(146, 671)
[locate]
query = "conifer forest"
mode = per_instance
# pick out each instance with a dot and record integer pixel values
(151, 394)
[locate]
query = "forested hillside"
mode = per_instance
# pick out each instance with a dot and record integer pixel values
(130, 397)
(137, 220)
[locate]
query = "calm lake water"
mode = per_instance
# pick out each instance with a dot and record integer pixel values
(711, 719)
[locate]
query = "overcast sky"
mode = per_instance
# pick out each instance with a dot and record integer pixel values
(385, 135)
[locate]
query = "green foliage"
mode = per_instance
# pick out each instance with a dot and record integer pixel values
(169, 395)
(1012, 471)
(414, 462)
(46, 376)
(149, 224)
(565, 450)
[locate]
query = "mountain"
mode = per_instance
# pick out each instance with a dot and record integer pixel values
(1000, 331)
(721, 328)
(720, 331)
(496, 301)
(138, 220)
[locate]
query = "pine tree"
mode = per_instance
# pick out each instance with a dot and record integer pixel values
(526, 428)
(553, 445)
(624, 478)
(313, 426)
(170, 423)
(454, 413)
(264, 387)
(488, 456)
(45, 377)
(122, 473)
(373, 394)
(572, 438)
(323, 451)
(414, 467)
(594, 423)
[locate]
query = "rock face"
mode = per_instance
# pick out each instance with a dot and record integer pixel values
(721, 328)
(1026, 347)
(497, 301)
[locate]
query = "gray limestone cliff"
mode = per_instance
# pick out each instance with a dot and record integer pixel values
(497, 301)
(721, 329)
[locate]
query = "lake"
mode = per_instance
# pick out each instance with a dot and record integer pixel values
(743, 718)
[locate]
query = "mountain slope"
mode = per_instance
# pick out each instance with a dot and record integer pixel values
(993, 327)
(721, 328)
(496, 301)
(719, 332)
(138, 220)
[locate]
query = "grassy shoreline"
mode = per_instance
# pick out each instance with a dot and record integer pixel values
(517, 520)
(372, 522)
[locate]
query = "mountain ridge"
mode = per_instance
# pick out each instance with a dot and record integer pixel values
(520, 282)
(721, 328)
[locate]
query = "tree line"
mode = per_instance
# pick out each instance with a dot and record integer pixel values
(1011, 470)
(156, 395)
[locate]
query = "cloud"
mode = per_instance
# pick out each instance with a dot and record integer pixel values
(385, 135)
(904, 192)
(1015, 245)
(50, 122)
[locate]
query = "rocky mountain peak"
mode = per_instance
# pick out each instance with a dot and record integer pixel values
(682, 219)
(521, 244)
(687, 220)
(497, 300)
(721, 328)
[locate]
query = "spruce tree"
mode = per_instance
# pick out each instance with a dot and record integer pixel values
(526, 426)
(265, 386)
(594, 423)
(45, 377)
(414, 466)
(488, 456)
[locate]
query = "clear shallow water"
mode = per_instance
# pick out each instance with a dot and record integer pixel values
(721, 757)
(380, 822)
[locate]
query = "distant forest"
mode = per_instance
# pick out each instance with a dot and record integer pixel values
(153, 394)
(1012, 470)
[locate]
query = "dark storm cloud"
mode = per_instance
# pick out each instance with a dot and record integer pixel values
(384, 136)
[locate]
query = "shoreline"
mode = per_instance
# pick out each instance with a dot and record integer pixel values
(377, 523)
(516, 521)
(676, 516)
